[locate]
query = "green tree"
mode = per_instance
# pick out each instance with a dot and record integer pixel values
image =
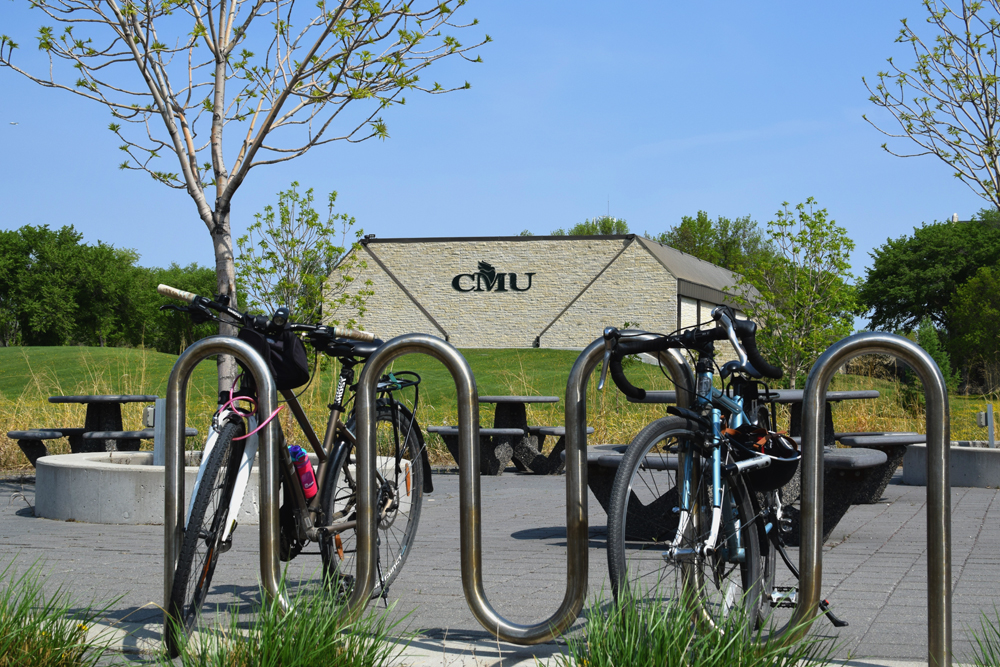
(176, 76)
(913, 388)
(109, 297)
(975, 321)
(11, 265)
(727, 243)
(916, 276)
(604, 225)
(46, 291)
(929, 339)
(947, 100)
(168, 331)
(800, 296)
(292, 257)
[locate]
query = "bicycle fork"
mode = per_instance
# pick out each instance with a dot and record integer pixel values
(692, 472)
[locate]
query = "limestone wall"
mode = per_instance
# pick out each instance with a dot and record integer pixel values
(533, 282)
(499, 293)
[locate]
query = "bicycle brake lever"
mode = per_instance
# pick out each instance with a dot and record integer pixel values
(610, 339)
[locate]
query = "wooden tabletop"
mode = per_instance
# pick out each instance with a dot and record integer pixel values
(118, 398)
(518, 399)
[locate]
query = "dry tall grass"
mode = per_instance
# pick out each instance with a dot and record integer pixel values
(614, 419)
(115, 375)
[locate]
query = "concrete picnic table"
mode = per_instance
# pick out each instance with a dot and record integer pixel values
(512, 439)
(101, 432)
(104, 420)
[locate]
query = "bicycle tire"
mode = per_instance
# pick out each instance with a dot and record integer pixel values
(642, 524)
(200, 546)
(397, 524)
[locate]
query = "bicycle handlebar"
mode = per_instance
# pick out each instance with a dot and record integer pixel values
(174, 293)
(334, 332)
(747, 333)
(277, 322)
(746, 346)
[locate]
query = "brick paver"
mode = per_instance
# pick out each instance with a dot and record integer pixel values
(874, 564)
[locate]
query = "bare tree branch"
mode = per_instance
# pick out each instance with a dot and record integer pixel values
(255, 66)
(947, 102)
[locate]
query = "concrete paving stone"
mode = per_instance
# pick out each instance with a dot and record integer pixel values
(524, 535)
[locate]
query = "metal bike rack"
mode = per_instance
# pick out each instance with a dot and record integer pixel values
(470, 507)
(267, 453)
(938, 483)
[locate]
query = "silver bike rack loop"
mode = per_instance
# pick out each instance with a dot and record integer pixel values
(267, 453)
(938, 483)
(470, 507)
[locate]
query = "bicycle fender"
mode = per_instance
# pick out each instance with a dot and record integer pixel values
(242, 480)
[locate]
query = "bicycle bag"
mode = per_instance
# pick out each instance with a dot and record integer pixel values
(749, 441)
(285, 356)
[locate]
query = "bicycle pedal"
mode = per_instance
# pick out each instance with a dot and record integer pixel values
(784, 597)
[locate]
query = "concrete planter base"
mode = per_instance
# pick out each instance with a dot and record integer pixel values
(117, 487)
(974, 466)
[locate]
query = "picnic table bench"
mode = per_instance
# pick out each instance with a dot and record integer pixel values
(511, 439)
(102, 430)
(894, 445)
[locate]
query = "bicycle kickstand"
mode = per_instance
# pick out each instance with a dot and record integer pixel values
(824, 605)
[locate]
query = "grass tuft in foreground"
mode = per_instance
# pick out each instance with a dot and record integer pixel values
(634, 634)
(37, 629)
(986, 652)
(317, 631)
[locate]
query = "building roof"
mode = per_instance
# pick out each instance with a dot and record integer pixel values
(696, 277)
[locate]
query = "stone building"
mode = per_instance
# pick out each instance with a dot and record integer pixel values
(534, 291)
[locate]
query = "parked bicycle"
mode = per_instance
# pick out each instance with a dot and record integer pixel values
(696, 505)
(318, 506)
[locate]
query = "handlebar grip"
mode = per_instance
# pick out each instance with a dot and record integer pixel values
(746, 331)
(174, 293)
(618, 376)
(353, 334)
(758, 362)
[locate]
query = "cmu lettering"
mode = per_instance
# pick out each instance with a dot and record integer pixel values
(486, 279)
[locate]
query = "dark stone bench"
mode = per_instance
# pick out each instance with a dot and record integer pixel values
(32, 442)
(528, 450)
(894, 445)
(496, 446)
(644, 521)
(602, 464)
(846, 471)
(846, 474)
(81, 441)
(124, 441)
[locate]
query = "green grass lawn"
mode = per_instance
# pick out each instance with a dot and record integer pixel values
(87, 370)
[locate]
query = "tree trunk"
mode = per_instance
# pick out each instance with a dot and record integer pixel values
(225, 276)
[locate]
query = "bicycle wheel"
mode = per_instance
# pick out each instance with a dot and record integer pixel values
(642, 524)
(202, 543)
(399, 488)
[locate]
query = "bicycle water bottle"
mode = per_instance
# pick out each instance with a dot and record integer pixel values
(303, 466)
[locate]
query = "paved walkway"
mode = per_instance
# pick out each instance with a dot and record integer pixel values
(874, 569)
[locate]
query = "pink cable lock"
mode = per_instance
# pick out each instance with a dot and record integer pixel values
(231, 403)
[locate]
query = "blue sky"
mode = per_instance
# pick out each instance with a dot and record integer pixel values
(649, 110)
